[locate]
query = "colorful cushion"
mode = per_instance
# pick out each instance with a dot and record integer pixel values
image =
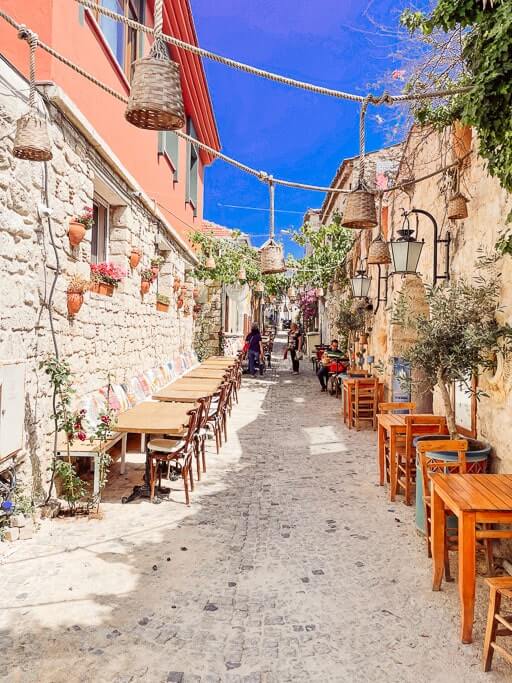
(134, 391)
(144, 384)
(178, 365)
(160, 378)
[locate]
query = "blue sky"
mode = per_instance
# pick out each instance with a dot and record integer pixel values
(288, 132)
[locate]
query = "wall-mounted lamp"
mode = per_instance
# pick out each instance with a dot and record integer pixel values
(406, 250)
(360, 283)
(381, 278)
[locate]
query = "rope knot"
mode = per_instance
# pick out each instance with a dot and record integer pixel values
(263, 176)
(24, 33)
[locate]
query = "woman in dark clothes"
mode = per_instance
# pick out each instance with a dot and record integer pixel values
(255, 350)
(295, 346)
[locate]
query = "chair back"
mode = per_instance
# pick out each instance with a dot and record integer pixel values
(193, 423)
(357, 372)
(365, 395)
(204, 409)
(419, 425)
(429, 465)
(402, 406)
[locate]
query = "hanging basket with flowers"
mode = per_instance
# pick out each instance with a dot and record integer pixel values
(162, 303)
(135, 256)
(79, 225)
(146, 278)
(156, 264)
(77, 286)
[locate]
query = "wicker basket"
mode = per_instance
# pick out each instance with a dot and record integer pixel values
(292, 292)
(458, 207)
(260, 287)
(378, 253)
(209, 264)
(360, 211)
(156, 102)
(271, 258)
(32, 141)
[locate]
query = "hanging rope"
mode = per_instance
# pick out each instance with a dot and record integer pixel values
(159, 48)
(362, 142)
(277, 78)
(271, 190)
(32, 39)
(261, 175)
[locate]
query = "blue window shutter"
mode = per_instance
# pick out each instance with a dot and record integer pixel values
(192, 168)
(168, 143)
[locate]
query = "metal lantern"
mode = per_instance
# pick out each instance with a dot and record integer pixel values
(360, 211)
(360, 285)
(405, 252)
(378, 253)
(156, 99)
(209, 264)
(242, 274)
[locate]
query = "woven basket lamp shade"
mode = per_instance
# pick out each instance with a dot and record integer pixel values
(156, 101)
(292, 292)
(209, 264)
(360, 211)
(319, 292)
(378, 253)
(458, 207)
(260, 287)
(32, 141)
(272, 258)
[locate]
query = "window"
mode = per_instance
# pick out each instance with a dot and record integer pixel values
(123, 41)
(99, 238)
(192, 168)
(168, 145)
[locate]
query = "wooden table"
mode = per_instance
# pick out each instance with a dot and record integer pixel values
(206, 373)
(151, 417)
(209, 385)
(169, 393)
(473, 498)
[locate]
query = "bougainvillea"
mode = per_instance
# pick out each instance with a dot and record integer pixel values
(308, 304)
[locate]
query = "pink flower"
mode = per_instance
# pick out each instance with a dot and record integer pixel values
(105, 419)
(82, 436)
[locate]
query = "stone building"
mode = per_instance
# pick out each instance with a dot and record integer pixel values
(140, 190)
(425, 152)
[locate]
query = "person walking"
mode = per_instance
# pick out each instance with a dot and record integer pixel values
(295, 346)
(255, 350)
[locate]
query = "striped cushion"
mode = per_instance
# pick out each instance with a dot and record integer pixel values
(134, 391)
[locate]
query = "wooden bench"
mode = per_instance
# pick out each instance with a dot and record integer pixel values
(86, 449)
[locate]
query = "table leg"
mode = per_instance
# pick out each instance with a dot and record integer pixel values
(467, 569)
(381, 438)
(124, 440)
(438, 538)
(393, 473)
(96, 482)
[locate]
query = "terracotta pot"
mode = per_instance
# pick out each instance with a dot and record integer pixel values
(177, 284)
(363, 338)
(135, 258)
(102, 288)
(461, 137)
(155, 270)
(163, 308)
(179, 303)
(144, 286)
(75, 301)
(76, 233)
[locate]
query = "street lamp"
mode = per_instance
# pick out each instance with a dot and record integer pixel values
(406, 250)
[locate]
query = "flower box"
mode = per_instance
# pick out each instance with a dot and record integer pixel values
(102, 288)
(163, 308)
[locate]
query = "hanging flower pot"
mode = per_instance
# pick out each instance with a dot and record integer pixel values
(103, 288)
(75, 301)
(144, 287)
(77, 286)
(32, 141)
(272, 258)
(209, 264)
(162, 303)
(458, 207)
(360, 211)
(378, 253)
(180, 302)
(76, 233)
(146, 278)
(135, 257)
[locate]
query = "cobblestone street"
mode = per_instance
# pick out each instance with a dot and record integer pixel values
(290, 565)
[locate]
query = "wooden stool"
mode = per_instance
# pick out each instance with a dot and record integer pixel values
(500, 586)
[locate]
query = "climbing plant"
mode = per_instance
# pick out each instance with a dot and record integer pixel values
(230, 254)
(486, 38)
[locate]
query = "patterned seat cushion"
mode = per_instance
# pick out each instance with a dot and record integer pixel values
(134, 391)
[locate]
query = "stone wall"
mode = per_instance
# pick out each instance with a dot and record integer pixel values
(207, 340)
(110, 337)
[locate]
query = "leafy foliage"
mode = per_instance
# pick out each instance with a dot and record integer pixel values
(460, 335)
(230, 255)
(328, 246)
(487, 56)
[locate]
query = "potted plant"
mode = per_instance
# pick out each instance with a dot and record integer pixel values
(156, 263)
(146, 278)
(179, 303)
(77, 286)
(176, 284)
(105, 277)
(79, 225)
(162, 302)
(135, 256)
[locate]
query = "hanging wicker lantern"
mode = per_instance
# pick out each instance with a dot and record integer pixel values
(292, 292)
(378, 253)
(360, 212)
(458, 207)
(242, 274)
(156, 100)
(209, 264)
(260, 287)
(32, 141)
(272, 258)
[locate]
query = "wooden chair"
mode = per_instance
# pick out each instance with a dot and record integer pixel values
(364, 402)
(201, 434)
(159, 451)
(500, 586)
(393, 407)
(357, 372)
(403, 469)
(217, 415)
(430, 465)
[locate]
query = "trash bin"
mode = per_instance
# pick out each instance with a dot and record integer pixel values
(476, 457)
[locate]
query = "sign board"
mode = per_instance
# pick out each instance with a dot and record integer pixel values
(12, 407)
(400, 391)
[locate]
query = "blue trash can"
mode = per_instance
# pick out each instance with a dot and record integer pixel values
(478, 452)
